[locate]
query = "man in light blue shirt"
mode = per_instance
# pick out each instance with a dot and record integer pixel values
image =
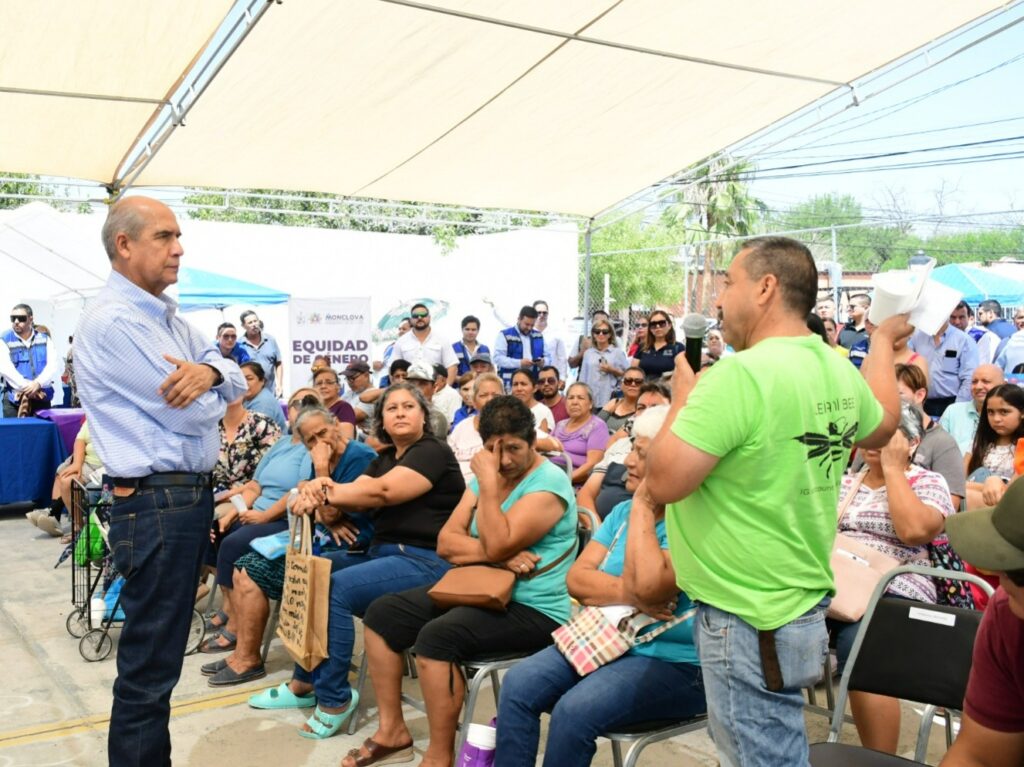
(154, 390)
(952, 357)
(961, 418)
(262, 348)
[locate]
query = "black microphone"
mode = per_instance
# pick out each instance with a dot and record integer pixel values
(694, 328)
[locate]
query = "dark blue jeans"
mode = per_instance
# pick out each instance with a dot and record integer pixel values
(384, 569)
(632, 689)
(158, 538)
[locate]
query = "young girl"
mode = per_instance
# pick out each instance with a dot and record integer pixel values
(990, 463)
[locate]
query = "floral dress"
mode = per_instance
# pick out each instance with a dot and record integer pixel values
(237, 460)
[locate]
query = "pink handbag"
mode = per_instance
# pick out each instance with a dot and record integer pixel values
(857, 568)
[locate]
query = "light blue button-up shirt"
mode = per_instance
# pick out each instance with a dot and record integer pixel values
(961, 420)
(950, 364)
(120, 344)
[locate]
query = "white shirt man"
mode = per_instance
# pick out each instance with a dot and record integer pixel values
(424, 345)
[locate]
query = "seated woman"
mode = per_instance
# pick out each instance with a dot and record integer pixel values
(264, 500)
(619, 410)
(83, 465)
(465, 439)
(410, 489)
(897, 508)
(245, 437)
(328, 385)
(258, 579)
(605, 488)
(523, 388)
(582, 435)
(627, 562)
(519, 513)
(257, 397)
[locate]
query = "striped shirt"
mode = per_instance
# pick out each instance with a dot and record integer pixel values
(120, 344)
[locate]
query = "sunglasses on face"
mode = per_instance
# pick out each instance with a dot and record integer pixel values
(657, 323)
(307, 401)
(642, 325)
(1016, 577)
(229, 335)
(632, 381)
(547, 380)
(419, 315)
(602, 332)
(19, 318)
(353, 377)
(542, 314)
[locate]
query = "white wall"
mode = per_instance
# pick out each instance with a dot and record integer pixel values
(507, 269)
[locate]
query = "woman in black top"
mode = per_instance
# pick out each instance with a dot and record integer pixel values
(659, 350)
(410, 490)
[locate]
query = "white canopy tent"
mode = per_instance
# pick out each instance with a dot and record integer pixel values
(566, 106)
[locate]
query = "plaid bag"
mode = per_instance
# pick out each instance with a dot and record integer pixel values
(589, 640)
(947, 590)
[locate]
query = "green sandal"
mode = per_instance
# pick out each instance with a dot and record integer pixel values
(325, 725)
(281, 697)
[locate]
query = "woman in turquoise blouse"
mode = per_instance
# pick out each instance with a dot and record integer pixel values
(626, 564)
(518, 512)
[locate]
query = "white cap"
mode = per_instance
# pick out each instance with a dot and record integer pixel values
(481, 736)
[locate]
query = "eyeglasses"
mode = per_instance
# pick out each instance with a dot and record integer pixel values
(419, 315)
(353, 377)
(307, 401)
(657, 323)
(229, 335)
(547, 380)
(632, 381)
(601, 332)
(1016, 577)
(19, 318)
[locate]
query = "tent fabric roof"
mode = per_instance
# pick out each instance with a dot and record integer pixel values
(978, 285)
(199, 289)
(123, 50)
(377, 98)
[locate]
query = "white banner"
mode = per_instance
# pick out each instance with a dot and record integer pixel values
(336, 327)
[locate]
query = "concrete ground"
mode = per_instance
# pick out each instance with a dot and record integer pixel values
(55, 706)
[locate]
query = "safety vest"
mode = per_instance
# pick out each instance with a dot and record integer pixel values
(514, 344)
(28, 360)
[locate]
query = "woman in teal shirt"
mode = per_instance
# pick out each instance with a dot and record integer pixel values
(518, 512)
(627, 562)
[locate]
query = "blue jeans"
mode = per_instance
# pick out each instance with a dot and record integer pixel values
(632, 689)
(158, 539)
(384, 569)
(749, 724)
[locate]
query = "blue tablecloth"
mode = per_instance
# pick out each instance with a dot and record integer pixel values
(30, 451)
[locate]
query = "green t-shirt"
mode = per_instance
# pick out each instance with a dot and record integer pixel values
(754, 539)
(547, 592)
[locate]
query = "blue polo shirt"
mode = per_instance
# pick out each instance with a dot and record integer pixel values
(266, 353)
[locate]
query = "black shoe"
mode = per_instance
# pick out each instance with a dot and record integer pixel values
(209, 669)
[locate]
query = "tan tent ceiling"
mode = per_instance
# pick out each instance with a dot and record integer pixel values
(112, 63)
(378, 98)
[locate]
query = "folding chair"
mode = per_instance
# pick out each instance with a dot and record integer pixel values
(640, 736)
(907, 650)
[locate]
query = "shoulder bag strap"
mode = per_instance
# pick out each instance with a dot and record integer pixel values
(857, 481)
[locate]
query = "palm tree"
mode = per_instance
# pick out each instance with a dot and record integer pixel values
(713, 203)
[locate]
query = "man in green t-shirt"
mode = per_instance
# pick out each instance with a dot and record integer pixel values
(750, 470)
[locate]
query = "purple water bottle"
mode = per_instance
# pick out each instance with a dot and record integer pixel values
(478, 750)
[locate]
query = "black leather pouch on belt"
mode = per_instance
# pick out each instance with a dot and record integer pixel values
(770, 667)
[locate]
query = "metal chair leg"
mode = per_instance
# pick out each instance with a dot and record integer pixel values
(268, 633)
(923, 733)
(616, 754)
(360, 684)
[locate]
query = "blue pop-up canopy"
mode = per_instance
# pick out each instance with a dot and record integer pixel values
(198, 289)
(978, 285)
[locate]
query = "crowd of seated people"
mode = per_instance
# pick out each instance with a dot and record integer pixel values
(405, 481)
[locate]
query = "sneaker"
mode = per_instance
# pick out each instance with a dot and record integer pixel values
(34, 515)
(49, 524)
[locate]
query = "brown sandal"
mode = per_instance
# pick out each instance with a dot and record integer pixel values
(378, 754)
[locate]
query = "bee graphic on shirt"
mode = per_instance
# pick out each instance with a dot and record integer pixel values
(829, 447)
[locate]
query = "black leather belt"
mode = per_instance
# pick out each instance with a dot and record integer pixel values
(165, 479)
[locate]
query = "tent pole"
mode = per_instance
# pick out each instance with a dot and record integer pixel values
(586, 275)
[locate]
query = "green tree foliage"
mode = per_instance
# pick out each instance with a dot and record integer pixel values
(647, 278)
(272, 206)
(30, 186)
